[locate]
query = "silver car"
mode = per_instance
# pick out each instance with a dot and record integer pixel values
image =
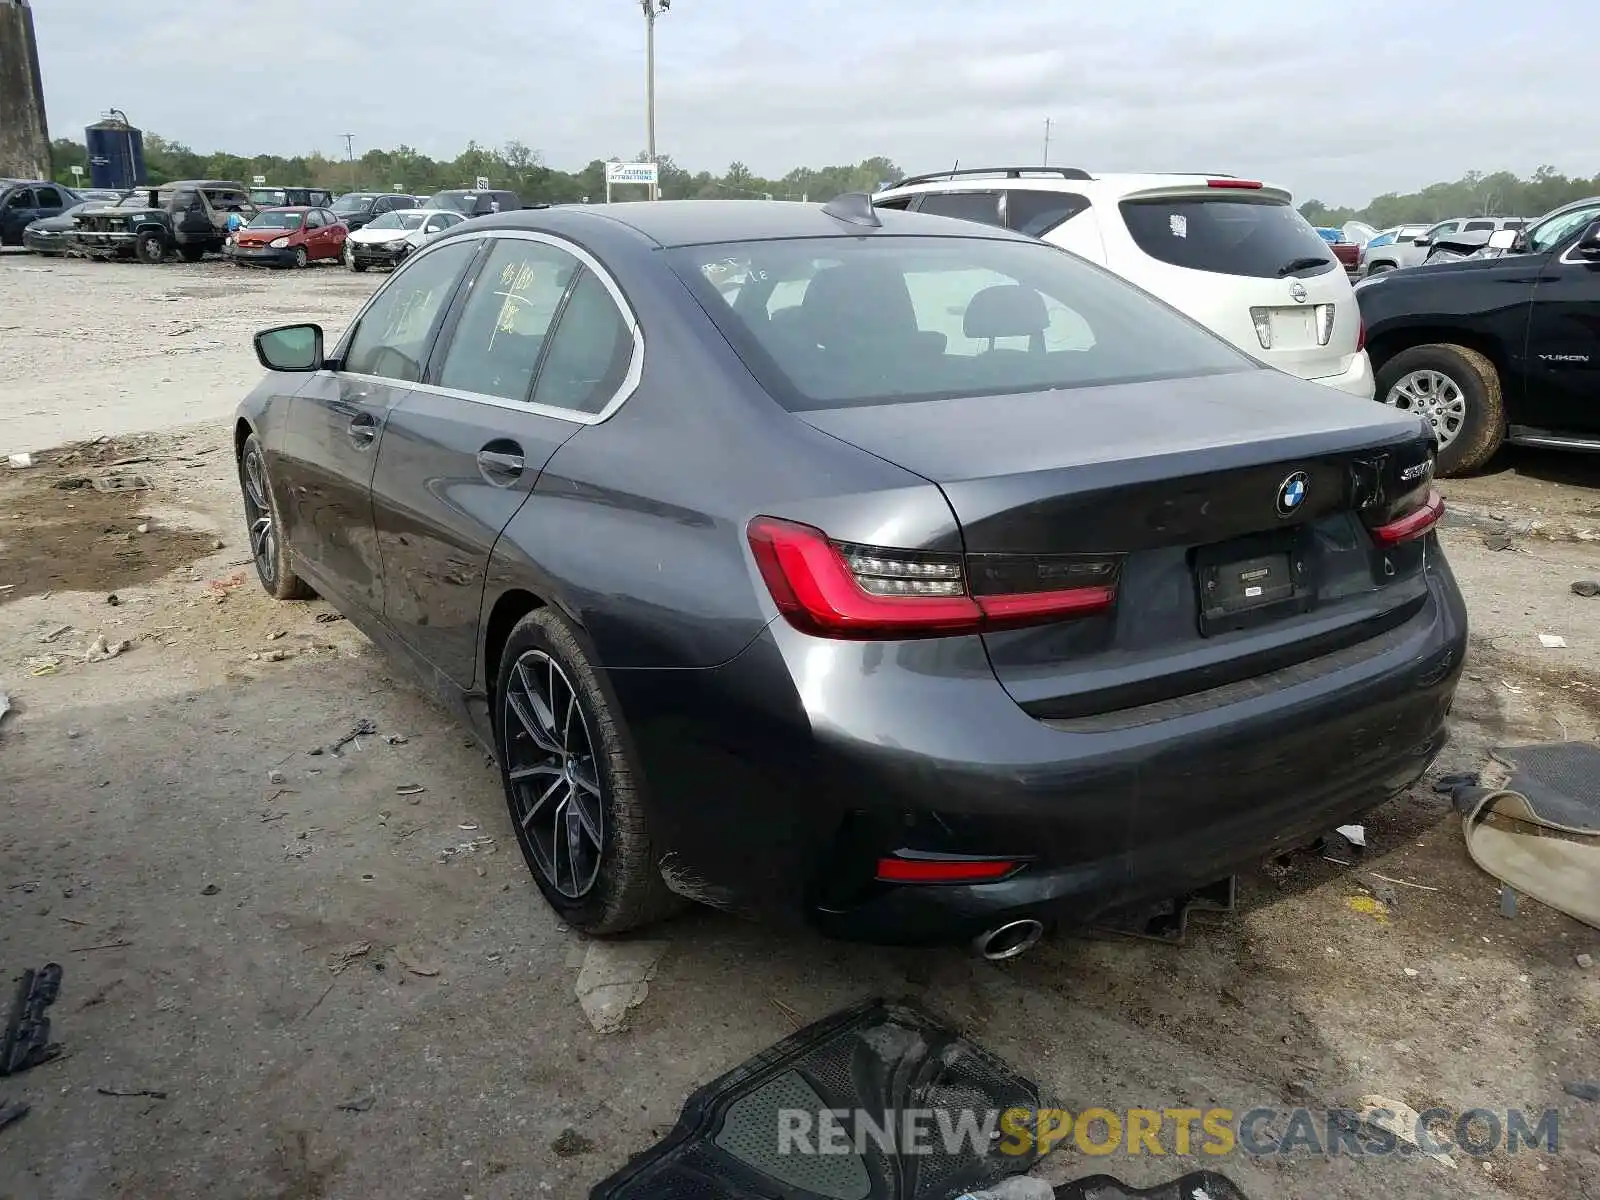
(1400, 253)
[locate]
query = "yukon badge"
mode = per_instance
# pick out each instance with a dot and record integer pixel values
(1297, 292)
(1291, 494)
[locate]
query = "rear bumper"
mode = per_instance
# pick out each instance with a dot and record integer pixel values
(777, 780)
(1356, 380)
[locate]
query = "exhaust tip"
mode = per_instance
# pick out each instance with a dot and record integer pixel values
(1010, 940)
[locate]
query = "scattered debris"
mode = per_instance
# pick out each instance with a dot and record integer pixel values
(1552, 641)
(397, 739)
(570, 1143)
(101, 651)
(71, 483)
(1585, 961)
(360, 1104)
(10, 1113)
(1511, 687)
(114, 600)
(272, 656)
(614, 979)
(485, 844)
(210, 889)
(1508, 901)
(1027, 1187)
(1421, 887)
(328, 618)
(1369, 906)
(1586, 587)
(116, 945)
(275, 635)
(1412, 972)
(1399, 1119)
(120, 483)
(362, 728)
(1498, 541)
(410, 789)
(1582, 1089)
(414, 962)
(142, 527)
(43, 664)
(1384, 894)
(339, 960)
(218, 544)
(1356, 835)
(274, 777)
(25, 1041)
(55, 634)
(150, 1092)
(1449, 785)
(18, 461)
(222, 586)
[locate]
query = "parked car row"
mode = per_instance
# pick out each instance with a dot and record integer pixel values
(1413, 245)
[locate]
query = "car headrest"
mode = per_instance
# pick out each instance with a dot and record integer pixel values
(1006, 310)
(856, 298)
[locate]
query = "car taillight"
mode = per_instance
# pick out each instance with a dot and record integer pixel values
(1244, 184)
(845, 590)
(1262, 319)
(1412, 525)
(944, 870)
(1324, 324)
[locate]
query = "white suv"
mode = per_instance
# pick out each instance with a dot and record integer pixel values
(1233, 254)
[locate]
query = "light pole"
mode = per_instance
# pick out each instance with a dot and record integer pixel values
(350, 156)
(652, 9)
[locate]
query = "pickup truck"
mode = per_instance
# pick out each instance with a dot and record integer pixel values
(1496, 349)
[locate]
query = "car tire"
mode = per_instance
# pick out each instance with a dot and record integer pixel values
(150, 248)
(1483, 422)
(192, 254)
(301, 258)
(263, 527)
(611, 881)
(1379, 268)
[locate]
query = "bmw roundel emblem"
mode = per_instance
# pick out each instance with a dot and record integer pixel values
(1292, 494)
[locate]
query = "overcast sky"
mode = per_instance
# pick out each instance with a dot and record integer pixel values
(1338, 102)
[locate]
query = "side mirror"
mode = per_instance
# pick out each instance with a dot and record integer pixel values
(290, 348)
(1589, 244)
(1424, 240)
(1502, 239)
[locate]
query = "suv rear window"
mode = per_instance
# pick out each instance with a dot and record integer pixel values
(1228, 235)
(836, 322)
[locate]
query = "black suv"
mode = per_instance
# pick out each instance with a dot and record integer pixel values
(24, 201)
(290, 197)
(356, 209)
(189, 218)
(1496, 349)
(471, 203)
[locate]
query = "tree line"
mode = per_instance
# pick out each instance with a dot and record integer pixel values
(519, 168)
(1500, 194)
(515, 167)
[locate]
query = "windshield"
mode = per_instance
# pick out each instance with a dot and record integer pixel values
(834, 322)
(397, 220)
(277, 220)
(143, 199)
(1555, 229)
(268, 196)
(353, 203)
(1228, 234)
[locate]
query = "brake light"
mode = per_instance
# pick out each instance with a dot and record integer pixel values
(843, 590)
(1324, 324)
(943, 870)
(1251, 185)
(1413, 525)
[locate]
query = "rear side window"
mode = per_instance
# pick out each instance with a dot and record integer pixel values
(836, 322)
(1474, 226)
(1232, 235)
(968, 206)
(1036, 213)
(498, 342)
(589, 353)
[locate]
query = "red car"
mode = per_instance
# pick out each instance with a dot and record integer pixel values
(288, 237)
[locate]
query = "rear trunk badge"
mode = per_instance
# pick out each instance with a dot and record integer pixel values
(1291, 493)
(1297, 292)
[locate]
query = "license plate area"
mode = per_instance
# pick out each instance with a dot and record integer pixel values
(1253, 581)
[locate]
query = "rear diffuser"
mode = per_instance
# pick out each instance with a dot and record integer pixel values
(881, 1060)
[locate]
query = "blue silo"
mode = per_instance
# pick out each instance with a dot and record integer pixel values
(116, 153)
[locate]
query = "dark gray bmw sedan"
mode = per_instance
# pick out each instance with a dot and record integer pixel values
(893, 573)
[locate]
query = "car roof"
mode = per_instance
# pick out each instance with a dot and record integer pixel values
(699, 222)
(1056, 179)
(295, 208)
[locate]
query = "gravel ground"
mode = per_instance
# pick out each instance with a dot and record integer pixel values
(264, 934)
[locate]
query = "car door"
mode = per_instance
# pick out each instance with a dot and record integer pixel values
(19, 210)
(49, 201)
(336, 422)
(336, 233)
(512, 379)
(1563, 380)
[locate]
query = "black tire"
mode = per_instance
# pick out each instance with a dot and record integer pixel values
(614, 881)
(1482, 427)
(301, 258)
(150, 248)
(192, 254)
(1379, 268)
(266, 546)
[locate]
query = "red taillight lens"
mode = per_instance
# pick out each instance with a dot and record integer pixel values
(1251, 185)
(943, 870)
(843, 590)
(1413, 525)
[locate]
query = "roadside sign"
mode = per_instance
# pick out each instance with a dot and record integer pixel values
(258, 180)
(633, 172)
(481, 184)
(77, 172)
(396, 188)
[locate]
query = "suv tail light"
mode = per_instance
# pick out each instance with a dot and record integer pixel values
(844, 590)
(1324, 324)
(1412, 525)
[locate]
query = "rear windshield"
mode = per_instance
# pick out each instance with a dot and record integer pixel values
(1228, 235)
(353, 202)
(832, 322)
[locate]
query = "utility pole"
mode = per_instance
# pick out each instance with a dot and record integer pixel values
(1047, 141)
(652, 9)
(350, 154)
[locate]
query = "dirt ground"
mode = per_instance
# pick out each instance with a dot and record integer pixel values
(333, 966)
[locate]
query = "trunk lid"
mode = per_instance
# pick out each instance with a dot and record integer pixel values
(1188, 487)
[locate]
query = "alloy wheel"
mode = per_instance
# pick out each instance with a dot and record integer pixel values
(553, 773)
(1436, 398)
(258, 516)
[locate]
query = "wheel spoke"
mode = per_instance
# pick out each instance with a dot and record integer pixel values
(585, 776)
(537, 806)
(544, 729)
(586, 819)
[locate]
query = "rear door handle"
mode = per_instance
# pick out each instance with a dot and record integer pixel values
(363, 429)
(501, 463)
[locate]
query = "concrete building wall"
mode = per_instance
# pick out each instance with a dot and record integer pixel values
(24, 137)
